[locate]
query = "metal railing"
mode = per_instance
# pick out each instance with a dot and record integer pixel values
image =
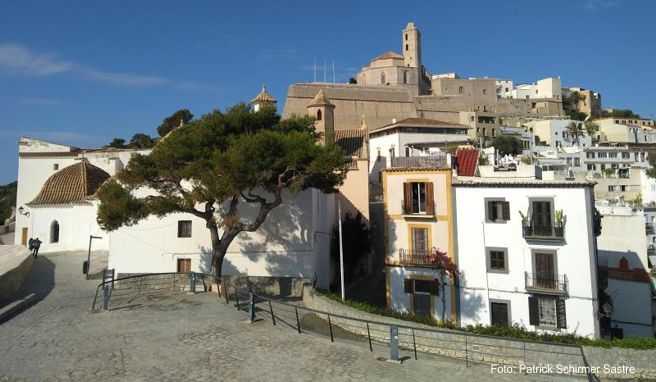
(418, 258)
(127, 290)
(414, 340)
(545, 282)
(649, 228)
(431, 161)
(544, 232)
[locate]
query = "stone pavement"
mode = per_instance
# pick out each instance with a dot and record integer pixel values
(183, 338)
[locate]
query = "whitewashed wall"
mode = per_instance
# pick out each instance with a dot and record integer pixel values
(575, 258)
(76, 224)
(401, 301)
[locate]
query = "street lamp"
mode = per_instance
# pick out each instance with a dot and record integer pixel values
(87, 265)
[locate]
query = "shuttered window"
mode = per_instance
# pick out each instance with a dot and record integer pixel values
(418, 198)
(497, 211)
(184, 228)
(547, 312)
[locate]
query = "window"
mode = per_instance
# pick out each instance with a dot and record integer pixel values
(547, 312)
(405, 77)
(461, 90)
(391, 152)
(602, 154)
(54, 232)
(55, 166)
(421, 292)
(382, 78)
(183, 265)
(577, 162)
(590, 154)
(418, 198)
(591, 167)
(407, 151)
(612, 155)
(184, 228)
(484, 91)
(406, 47)
(611, 188)
(318, 115)
(498, 211)
(500, 313)
(419, 241)
(569, 161)
(497, 260)
(406, 37)
(623, 188)
(541, 217)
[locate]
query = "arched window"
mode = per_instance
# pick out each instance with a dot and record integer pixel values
(382, 78)
(405, 77)
(54, 232)
(318, 115)
(461, 90)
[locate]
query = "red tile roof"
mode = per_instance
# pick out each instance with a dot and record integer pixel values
(466, 162)
(75, 183)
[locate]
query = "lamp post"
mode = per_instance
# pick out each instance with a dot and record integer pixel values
(341, 248)
(91, 237)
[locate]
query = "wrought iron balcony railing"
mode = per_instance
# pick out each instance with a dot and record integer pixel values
(533, 231)
(418, 258)
(545, 282)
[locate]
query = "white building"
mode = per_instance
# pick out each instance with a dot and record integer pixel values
(545, 88)
(505, 88)
(54, 196)
(555, 133)
(623, 260)
(526, 253)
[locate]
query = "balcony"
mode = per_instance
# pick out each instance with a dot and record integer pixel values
(553, 232)
(545, 283)
(431, 161)
(418, 259)
(649, 228)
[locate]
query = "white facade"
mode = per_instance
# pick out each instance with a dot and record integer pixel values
(574, 255)
(37, 161)
(294, 241)
(554, 133)
(545, 88)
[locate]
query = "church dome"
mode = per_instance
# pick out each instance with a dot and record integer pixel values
(75, 183)
(388, 55)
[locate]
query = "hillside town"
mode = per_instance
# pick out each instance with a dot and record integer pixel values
(486, 202)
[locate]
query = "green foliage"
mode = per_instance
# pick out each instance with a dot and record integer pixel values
(526, 160)
(516, 331)
(506, 144)
(356, 243)
(117, 143)
(576, 115)
(211, 165)
(171, 122)
(7, 200)
(141, 141)
(620, 113)
(482, 160)
(591, 128)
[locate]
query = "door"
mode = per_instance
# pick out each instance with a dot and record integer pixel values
(24, 236)
(184, 265)
(545, 270)
(419, 242)
(422, 297)
(541, 218)
(499, 313)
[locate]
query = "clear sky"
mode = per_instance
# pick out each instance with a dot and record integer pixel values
(83, 72)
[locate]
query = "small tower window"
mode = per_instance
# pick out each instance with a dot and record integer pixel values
(461, 90)
(318, 115)
(55, 166)
(406, 37)
(54, 232)
(405, 77)
(382, 78)
(406, 47)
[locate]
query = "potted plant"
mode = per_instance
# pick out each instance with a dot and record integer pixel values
(526, 227)
(560, 219)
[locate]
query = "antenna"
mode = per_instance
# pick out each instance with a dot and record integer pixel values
(333, 71)
(325, 68)
(314, 79)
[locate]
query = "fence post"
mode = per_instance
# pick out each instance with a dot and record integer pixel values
(224, 287)
(524, 342)
(414, 343)
(371, 349)
(330, 326)
(273, 317)
(466, 353)
(298, 322)
(394, 343)
(105, 297)
(252, 308)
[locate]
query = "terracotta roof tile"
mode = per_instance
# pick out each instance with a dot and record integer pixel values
(352, 142)
(466, 161)
(75, 183)
(388, 55)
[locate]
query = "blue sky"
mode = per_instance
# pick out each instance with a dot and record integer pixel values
(83, 72)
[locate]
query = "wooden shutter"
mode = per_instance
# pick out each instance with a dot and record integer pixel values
(435, 288)
(491, 211)
(506, 211)
(533, 312)
(430, 199)
(561, 316)
(407, 198)
(407, 286)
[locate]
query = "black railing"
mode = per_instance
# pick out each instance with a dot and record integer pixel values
(546, 282)
(418, 258)
(417, 341)
(531, 230)
(649, 228)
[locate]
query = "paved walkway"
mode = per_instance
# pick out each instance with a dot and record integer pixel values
(188, 338)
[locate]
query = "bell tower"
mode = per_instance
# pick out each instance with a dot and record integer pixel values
(411, 47)
(323, 112)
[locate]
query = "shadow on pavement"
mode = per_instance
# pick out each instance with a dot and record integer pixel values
(38, 284)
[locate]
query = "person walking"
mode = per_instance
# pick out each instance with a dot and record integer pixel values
(30, 245)
(37, 244)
